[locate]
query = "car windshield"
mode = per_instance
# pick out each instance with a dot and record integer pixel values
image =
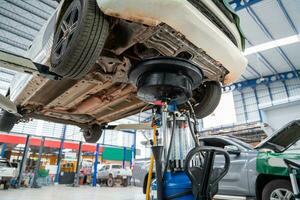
(294, 148)
(4, 164)
(243, 144)
(117, 167)
(102, 168)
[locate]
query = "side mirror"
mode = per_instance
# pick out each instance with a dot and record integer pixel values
(232, 149)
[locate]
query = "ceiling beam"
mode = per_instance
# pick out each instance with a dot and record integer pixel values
(242, 4)
(265, 30)
(263, 80)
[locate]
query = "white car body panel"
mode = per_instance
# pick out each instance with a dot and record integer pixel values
(185, 18)
(7, 171)
(104, 174)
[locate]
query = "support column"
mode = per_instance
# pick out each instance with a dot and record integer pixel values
(244, 106)
(23, 162)
(270, 94)
(3, 148)
(132, 156)
(134, 144)
(286, 89)
(103, 136)
(78, 166)
(37, 167)
(96, 165)
(59, 157)
(257, 103)
(124, 157)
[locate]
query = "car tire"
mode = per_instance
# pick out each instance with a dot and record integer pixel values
(125, 182)
(146, 181)
(110, 181)
(7, 121)
(6, 185)
(75, 50)
(206, 98)
(92, 134)
(275, 187)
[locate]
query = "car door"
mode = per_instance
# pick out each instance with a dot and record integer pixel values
(105, 172)
(235, 182)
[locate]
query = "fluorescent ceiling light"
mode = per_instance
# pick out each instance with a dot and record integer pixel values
(273, 44)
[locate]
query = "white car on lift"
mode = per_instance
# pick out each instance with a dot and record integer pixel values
(92, 45)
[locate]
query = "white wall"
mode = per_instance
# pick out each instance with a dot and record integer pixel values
(247, 105)
(277, 116)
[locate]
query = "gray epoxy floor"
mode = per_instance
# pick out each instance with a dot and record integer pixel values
(61, 192)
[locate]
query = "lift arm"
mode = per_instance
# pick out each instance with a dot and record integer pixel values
(25, 65)
(8, 105)
(21, 64)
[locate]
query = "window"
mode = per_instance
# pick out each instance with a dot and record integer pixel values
(243, 144)
(4, 164)
(116, 167)
(215, 142)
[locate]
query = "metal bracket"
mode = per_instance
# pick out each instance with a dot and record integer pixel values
(21, 64)
(8, 105)
(25, 65)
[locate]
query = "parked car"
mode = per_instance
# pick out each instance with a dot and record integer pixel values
(92, 45)
(140, 173)
(112, 173)
(258, 172)
(7, 173)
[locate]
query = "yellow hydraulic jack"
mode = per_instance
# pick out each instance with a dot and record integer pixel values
(148, 189)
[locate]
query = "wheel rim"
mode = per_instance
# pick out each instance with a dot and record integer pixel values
(87, 134)
(282, 194)
(66, 30)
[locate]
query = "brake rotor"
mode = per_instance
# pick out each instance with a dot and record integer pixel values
(165, 79)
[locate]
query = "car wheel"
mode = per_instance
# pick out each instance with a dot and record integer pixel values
(92, 134)
(79, 38)
(7, 121)
(206, 98)
(110, 182)
(278, 190)
(6, 185)
(146, 181)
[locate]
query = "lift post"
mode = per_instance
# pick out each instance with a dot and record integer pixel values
(78, 166)
(37, 167)
(59, 157)
(96, 165)
(23, 162)
(3, 148)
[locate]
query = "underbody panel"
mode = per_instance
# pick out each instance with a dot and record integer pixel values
(104, 94)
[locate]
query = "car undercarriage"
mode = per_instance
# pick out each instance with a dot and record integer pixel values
(104, 94)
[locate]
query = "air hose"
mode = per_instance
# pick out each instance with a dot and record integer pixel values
(148, 189)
